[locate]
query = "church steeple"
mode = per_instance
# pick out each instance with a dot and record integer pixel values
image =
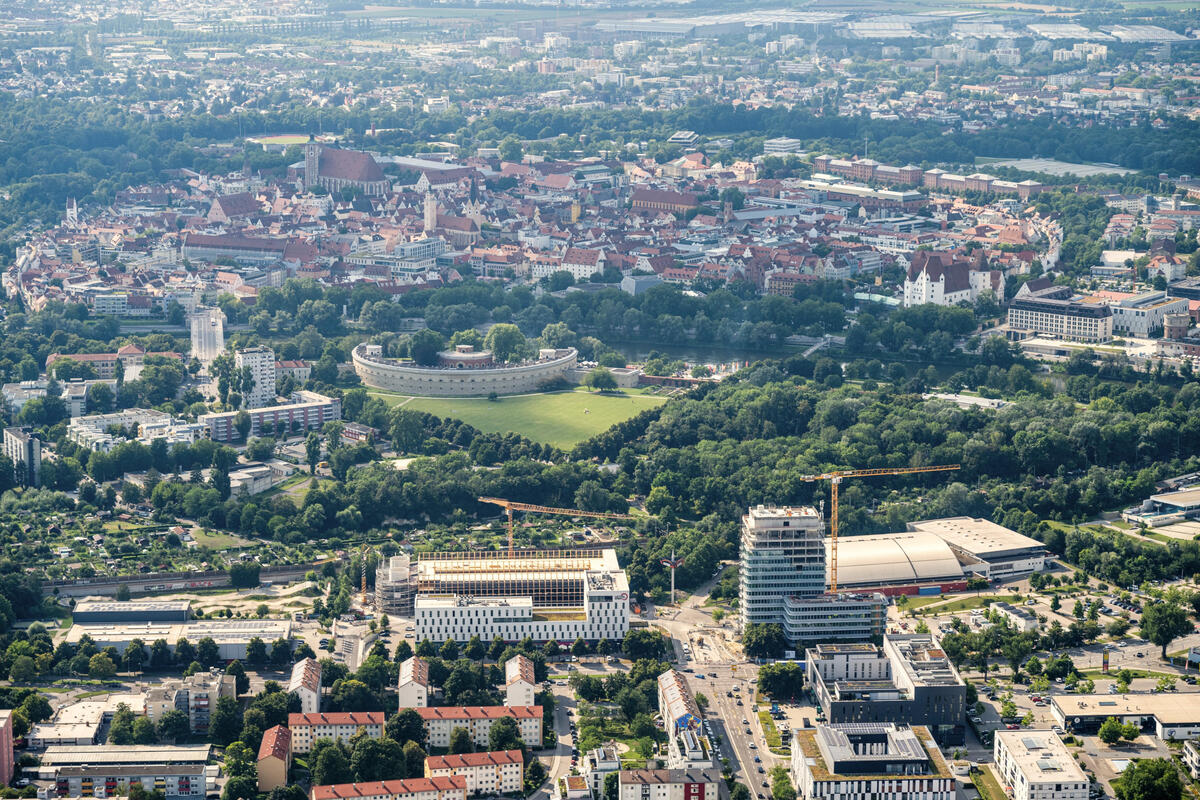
(431, 209)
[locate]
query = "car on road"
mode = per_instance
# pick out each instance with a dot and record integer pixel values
(1140, 654)
(753, 746)
(760, 769)
(757, 760)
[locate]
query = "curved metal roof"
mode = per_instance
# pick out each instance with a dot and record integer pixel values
(894, 558)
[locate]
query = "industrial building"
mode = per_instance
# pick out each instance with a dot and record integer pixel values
(560, 595)
(1166, 508)
(1036, 764)
(1169, 715)
(897, 564)
(908, 680)
(95, 612)
(80, 723)
(985, 548)
(687, 746)
(783, 580)
(881, 761)
(231, 635)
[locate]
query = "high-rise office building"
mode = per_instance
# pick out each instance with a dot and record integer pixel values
(783, 580)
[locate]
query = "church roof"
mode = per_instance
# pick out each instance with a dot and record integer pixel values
(349, 165)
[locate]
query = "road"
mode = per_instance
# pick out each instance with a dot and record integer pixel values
(558, 759)
(208, 334)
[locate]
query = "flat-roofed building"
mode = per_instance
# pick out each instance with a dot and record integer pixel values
(598, 763)
(172, 780)
(450, 788)
(442, 721)
(232, 636)
(1036, 764)
(1020, 618)
(985, 548)
(497, 772)
(1143, 314)
(274, 758)
(1169, 715)
(897, 563)
(196, 696)
(115, 755)
(687, 746)
(520, 685)
(88, 612)
(413, 683)
(880, 761)
(669, 784)
(80, 723)
(306, 684)
(1055, 312)
(1166, 508)
(783, 580)
(340, 726)
(561, 595)
(907, 680)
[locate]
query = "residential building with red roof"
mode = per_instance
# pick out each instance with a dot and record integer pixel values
(442, 788)
(495, 772)
(306, 684)
(441, 722)
(413, 685)
(337, 725)
(520, 684)
(274, 758)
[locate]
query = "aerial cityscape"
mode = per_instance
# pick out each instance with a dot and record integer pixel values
(600, 400)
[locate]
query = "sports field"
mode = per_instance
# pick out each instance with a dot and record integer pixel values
(282, 138)
(1054, 167)
(562, 419)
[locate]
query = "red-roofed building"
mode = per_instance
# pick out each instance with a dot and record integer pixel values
(496, 772)
(274, 758)
(306, 684)
(661, 200)
(339, 726)
(582, 263)
(451, 788)
(233, 206)
(335, 169)
(440, 722)
(413, 684)
(520, 684)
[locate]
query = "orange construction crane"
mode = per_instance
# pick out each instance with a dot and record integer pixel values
(837, 476)
(510, 506)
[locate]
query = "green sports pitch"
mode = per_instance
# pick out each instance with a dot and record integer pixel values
(562, 419)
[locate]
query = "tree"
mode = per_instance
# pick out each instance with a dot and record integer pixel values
(782, 681)
(407, 726)
(414, 758)
(242, 787)
(504, 735)
(1149, 779)
(331, 764)
(510, 149)
(139, 792)
(312, 450)
(123, 593)
(173, 725)
(600, 379)
(378, 760)
(643, 643)
(185, 652)
(424, 346)
(612, 787)
(281, 652)
(1163, 623)
(101, 667)
(134, 655)
(120, 730)
(506, 342)
(225, 722)
(23, 669)
(460, 741)
(207, 652)
(1110, 731)
(764, 640)
(242, 681)
(256, 651)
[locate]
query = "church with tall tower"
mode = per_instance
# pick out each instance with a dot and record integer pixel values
(335, 169)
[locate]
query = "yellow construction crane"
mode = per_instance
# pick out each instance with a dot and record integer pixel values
(509, 507)
(837, 476)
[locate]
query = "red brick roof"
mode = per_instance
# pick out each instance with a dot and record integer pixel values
(276, 743)
(494, 758)
(480, 712)
(337, 718)
(414, 670)
(306, 673)
(338, 791)
(518, 668)
(348, 165)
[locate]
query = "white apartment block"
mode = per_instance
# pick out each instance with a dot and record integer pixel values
(261, 361)
(413, 685)
(451, 788)
(1036, 765)
(195, 695)
(441, 722)
(339, 726)
(669, 784)
(496, 772)
(519, 683)
(306, 683)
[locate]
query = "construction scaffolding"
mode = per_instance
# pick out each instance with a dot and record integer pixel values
(552, 578)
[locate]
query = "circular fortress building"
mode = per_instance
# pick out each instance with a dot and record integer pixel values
(462, 372)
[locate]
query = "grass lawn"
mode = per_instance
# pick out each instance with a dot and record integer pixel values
(967, 603)
(562, 419)
(988, 786)
(1095, 674)
(218, 541)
